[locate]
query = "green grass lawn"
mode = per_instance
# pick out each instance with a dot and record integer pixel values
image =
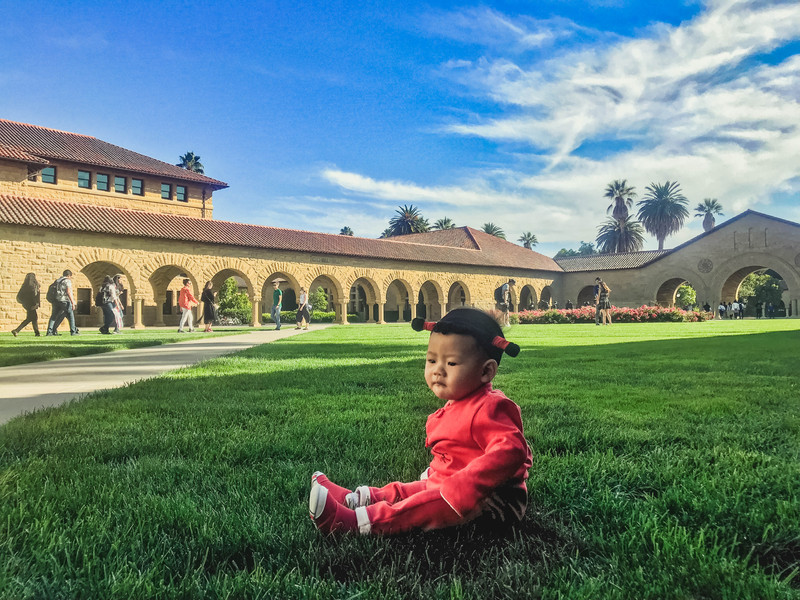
(666, 465)
(26, 348)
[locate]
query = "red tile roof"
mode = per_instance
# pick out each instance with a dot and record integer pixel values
(43, 143)
(17, 154)
(490, 251)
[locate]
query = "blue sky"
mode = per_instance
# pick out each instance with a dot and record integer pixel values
(328, 114)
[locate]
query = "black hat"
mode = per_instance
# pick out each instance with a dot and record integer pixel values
(475, 323)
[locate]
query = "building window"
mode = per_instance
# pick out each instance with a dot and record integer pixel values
(166, 191)
(49, 175)
(120, 184)
(85, 179)
(137, 187)
(166, 308)
(102, 182)
(180, 193)
(83, 302)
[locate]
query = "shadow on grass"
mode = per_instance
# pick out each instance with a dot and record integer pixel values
(232, 444)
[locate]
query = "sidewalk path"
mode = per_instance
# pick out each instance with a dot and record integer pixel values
(24, 388)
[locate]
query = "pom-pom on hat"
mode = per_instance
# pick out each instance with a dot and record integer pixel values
(475, 323)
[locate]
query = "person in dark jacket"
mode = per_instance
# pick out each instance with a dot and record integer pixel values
(29, 297)
(209, 306)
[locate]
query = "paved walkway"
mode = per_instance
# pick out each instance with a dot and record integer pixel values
(24, 388)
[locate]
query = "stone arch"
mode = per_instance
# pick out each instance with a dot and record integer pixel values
(458, 295)
(288, 284)
(430, 300)
(91, 267)
(546, 297)
(363, 298)
(165, 278)
(121, 263)
(234, 266)
(585, 296)
(732, 272)
(665, 294)
(398, 298)
(331, 281)
(528, 298)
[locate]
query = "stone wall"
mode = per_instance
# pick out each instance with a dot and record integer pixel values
(152, 267)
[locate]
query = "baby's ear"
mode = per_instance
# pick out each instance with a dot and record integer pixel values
(489, 370)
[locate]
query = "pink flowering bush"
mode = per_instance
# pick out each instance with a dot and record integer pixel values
(585, 314)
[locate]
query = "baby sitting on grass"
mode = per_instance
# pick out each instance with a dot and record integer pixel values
(480, 455)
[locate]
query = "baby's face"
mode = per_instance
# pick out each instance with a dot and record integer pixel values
(454, 366)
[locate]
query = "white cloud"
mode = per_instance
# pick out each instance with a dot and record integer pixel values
(694, 103)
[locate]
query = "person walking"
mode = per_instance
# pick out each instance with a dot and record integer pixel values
(109, 306)
(277, 302)
(597, 311)
(303, 315)
(209, 306)
(505, 301)
(603, 303)
(63, 306)
(119, 308)
(186, 301)
(29, 296)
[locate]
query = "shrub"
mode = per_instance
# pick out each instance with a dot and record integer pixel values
(317, 316)
(585, 314)
(235, 307)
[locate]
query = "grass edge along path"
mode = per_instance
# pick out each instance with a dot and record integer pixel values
(26, 348)
(665, 466)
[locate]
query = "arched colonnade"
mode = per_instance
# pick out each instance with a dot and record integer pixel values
(377, 295)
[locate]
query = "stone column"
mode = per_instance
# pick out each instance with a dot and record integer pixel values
(160, 300)
(443, 308)
(138, 305)
(255, 320)
(401, 312)
(380, 314)
(342, 316)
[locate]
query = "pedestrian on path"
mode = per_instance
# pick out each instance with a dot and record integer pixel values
(303, 316)
(209, 306)
(63, 305)
(29, 296)
(187, 302)
(110, 306)
(277, 302)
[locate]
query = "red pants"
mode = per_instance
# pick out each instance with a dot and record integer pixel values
(399, 507)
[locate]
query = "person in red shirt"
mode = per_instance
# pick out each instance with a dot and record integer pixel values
(186, 301)
(480, 455)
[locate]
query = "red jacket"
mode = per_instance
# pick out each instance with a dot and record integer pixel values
(185, 298)
(477, 445)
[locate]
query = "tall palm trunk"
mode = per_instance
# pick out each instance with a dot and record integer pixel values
(708, 222)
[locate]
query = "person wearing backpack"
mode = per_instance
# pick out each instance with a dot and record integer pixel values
(29, 296)
(502, 296)
(63, 305)
(108, 300)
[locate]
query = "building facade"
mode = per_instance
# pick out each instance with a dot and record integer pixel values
(69, 201)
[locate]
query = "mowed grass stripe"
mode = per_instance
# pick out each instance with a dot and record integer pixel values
(665, 466)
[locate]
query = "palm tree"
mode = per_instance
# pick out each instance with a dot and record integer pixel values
(408, 220)
(386, 233)
(494, 230)
(191, 162)
(707, 209)
(662, 211)
(528, 240)
(346, 231)
(625, 235)
(445, 223)
(622, 195)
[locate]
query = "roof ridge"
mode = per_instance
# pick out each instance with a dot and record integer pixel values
(91, 137)
(469, 231)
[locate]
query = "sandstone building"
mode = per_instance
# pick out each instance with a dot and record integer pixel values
(69, 201)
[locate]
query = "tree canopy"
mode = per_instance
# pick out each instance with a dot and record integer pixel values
(707, 209)
(494, 230)
(620, 235)
(443, 223)
(528, 240)
(191, 162)
(622, 196)
(584, 249)
(663, 211)
(407, 220)
(346, 231)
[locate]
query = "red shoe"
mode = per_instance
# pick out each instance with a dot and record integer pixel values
(328, 515)
(337, 492)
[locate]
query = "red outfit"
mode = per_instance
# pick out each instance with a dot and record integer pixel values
(185, 299)
(480, 459)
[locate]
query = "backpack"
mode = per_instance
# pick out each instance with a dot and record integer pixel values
(52, 291)
(498, 295)
(100, 298)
